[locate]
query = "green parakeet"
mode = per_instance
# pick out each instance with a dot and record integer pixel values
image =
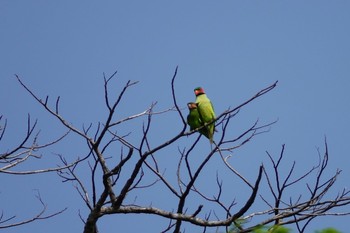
(206, 111)
(194, 120)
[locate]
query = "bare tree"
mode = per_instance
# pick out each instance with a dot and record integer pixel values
(299, 209)
(139, 167)
(12, 158)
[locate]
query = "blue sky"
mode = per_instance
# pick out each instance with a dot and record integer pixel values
(231, 48)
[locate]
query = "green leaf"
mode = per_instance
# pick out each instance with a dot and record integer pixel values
(328, 230)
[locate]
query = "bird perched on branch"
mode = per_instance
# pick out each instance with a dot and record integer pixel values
(202, 113)
(206, 111)
(194, 120)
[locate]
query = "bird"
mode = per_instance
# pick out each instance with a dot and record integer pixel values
(194, 120)
(206, 112)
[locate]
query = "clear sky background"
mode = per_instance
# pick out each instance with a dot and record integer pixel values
(231, 48)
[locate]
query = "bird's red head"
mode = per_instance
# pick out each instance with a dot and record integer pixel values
(191, 105)
(199, 91)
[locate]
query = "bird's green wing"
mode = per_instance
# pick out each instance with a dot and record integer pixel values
(193, 119)
(207, 114)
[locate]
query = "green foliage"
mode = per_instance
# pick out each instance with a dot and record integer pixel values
(328, 230)
(273, 229)
(261, 229)
(238, 224)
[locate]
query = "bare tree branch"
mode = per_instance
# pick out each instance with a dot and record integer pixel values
(134, 166)
(39, 216)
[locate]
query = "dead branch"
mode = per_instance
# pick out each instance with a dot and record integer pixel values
(38, 216)
(109, 184)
